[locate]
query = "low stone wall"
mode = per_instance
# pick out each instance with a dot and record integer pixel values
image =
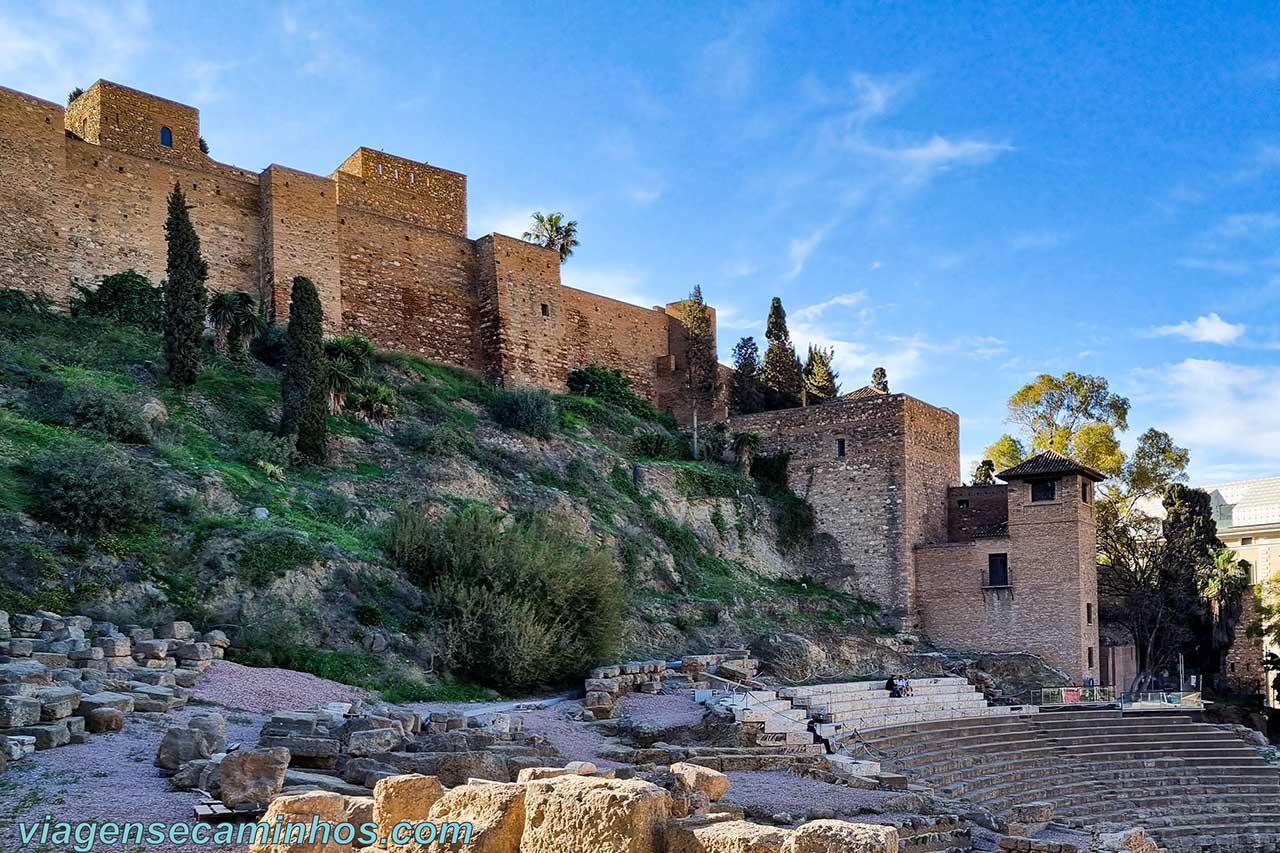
(607, 684)
(64, 677)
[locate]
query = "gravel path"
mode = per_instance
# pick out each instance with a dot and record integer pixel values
(261, 690)
(770, 792)
(110, 778)
(578, 741)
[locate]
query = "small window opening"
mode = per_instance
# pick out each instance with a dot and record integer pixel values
(379, 168)
(1085, 488)
(546, 311)
(963, 503)
(1091, 657)
(411, 179)
(1043, 490)
(1233, 667)
(1088, 613)
(1246, 540)
(997, 570)
(166, 137)
(839, 448)
(397, 172)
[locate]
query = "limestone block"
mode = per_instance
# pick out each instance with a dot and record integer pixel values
(57, 702)
(176, 631)
(304, 808)
(536, 774)
(151, 649)
(704, 780)
(374, 741)
(47, 735)
(599, 815)
(452, 768)
(494, 810)
(214, 726)
(194, 652)
(698, 835)
(18, 711)
(838, 836)
(253, 775)
(400, 798)
(104, 720)
(180, 745)
(114, 646)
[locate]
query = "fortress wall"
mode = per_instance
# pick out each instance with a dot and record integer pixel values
(300, 237)
(117, 208)
(404, 189)
(33, 232)
(932, 449)
(522, 322)
(600, 330)
(860, 500)
(127, 120)
(410, 288)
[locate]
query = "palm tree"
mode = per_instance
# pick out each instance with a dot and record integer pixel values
(235, 319)
(744, 448)
(553, 232)
(350, 360)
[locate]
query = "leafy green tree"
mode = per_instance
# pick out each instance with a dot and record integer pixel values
(820, 377)
(781, 373)
(553, 232)
(700, 356)
(348, 362)
(304, 387)
(184, 293)
(745, 395)
(1006, 452)
(880, 379)
(1155, 464)
(1076, 415)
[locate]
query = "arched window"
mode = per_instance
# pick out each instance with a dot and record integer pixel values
(166, 137)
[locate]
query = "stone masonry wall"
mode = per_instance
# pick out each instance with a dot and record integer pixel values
(870, 501)
(33, 232)
(83, 194)
(300, 238)
(1050, 605)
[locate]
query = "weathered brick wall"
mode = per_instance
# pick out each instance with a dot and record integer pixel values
(383, 238)
(124, 119)
(1050, 605)
(974, 510)
(119, 203)
(600, 330)
(300, 238)
(33, 229)
(410, 288)
(521, 314)
(864, 501)
(405, 190)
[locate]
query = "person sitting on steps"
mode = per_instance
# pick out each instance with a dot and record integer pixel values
(892, 686)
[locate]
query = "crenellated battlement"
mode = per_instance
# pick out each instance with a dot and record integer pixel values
(384, 237)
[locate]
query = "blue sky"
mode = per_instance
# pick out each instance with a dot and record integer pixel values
(965, 197)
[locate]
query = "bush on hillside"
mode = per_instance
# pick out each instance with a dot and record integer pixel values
(103, 412)
(610, 386)
(432, 439)
(522, 603)
(269, 347)
(256, 446)
(658, 445)
(795, 516)
(14, 301)
(91, 490)
(529, 410)
(127, 297)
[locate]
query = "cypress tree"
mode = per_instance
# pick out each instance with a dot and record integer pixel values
(745, 396)
(819, 376)
(304, 388)
(781, 373)
(184, 293)
(880, 380)
(700, 356)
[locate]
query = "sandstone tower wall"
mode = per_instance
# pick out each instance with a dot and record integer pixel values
(384, 238)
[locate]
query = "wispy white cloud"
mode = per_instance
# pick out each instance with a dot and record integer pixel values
(816, 310)
(1247, 226)
(1032, 241)
(53, 47)
(1208, 329)
(645, 194)
(1218, 406)
(800, 248)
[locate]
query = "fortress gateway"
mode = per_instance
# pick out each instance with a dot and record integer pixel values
(83, 194)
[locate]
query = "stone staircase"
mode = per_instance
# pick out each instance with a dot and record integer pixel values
(1194, 786)
(842, 710)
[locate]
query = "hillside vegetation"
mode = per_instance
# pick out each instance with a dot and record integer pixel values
(459, 533)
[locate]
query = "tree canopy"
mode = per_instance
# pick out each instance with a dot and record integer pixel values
(745, 395)
(781, 373)
(700, 355)
(820, 376)
(552, 231)
(184, 293)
